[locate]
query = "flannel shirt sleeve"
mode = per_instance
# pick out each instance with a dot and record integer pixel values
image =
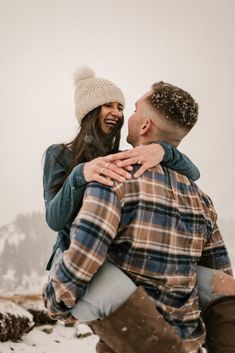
(215, 254)
(92, 232)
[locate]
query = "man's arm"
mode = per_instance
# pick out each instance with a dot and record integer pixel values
(91, 235)
(215, 254)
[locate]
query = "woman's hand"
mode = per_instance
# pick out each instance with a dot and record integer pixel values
(102, 170)
(146, 155)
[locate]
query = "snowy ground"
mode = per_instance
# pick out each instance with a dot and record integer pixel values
(61, 340)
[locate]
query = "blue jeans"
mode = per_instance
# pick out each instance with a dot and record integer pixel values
(110, 287)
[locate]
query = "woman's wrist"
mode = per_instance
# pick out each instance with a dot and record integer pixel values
(79, 179)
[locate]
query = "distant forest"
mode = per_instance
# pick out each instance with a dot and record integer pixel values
(26, 244)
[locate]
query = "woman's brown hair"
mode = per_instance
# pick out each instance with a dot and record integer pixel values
(90, 143)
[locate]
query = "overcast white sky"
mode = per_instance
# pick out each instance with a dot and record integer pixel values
(189, 43)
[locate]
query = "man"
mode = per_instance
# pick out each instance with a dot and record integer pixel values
(156, 229)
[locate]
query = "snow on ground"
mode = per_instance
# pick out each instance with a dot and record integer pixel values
(61, 340)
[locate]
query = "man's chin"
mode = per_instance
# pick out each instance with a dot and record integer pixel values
(129, 140)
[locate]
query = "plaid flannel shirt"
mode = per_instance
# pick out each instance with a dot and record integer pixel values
(157, 229)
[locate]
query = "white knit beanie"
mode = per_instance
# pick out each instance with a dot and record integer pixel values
(91, 92)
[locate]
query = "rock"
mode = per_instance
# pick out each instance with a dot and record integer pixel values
(35, 305)
(14, 321)
(82, 331)
(47, 329)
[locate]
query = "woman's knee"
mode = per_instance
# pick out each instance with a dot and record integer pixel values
(213, 284)
(108, 289)
(223, 284)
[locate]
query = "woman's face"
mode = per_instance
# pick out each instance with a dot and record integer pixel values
(110, 116)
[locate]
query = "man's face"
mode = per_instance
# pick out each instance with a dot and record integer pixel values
(110, 116)
(136, 120)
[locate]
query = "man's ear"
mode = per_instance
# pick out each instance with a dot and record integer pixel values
(145, 127)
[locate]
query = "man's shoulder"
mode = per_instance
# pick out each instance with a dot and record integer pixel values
(204, 196)
(167, 175)
(100, 191)
(96, 186)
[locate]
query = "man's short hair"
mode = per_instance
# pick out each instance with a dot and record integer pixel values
(175, 104)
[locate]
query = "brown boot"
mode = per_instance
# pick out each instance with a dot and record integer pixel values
(101, 347)
(219, 318)
(137, 327)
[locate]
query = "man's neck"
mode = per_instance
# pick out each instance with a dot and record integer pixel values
(145, 141)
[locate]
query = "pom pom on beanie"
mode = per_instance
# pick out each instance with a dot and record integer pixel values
(83, 73)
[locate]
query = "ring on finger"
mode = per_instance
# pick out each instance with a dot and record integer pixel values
(107, 165)
(102, 170)
(139, 161)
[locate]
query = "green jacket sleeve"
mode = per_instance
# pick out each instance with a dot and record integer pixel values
(61, 206)
(176, 160)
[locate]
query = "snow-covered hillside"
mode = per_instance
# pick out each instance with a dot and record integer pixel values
(25, 247)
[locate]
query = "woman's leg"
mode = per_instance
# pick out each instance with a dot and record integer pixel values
(109, 288)
(213, 284)
(217, 299)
